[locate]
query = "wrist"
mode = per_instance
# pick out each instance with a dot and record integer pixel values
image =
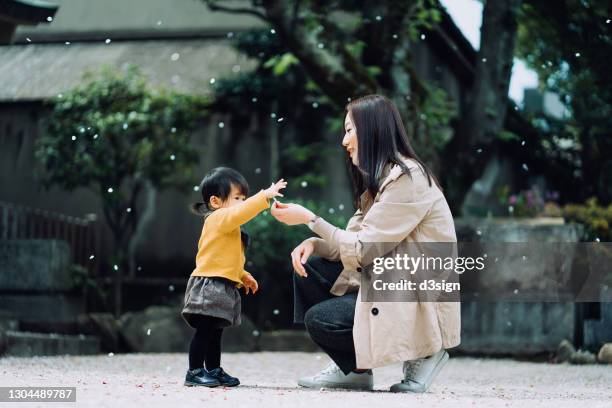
(312, 218)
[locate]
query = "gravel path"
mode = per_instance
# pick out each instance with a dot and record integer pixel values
(268, 380)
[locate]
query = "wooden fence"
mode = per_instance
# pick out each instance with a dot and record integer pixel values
(21, 222)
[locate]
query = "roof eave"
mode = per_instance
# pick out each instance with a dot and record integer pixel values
(27, 12)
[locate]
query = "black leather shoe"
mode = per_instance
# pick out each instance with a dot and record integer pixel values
(201, 377)
(224, 378)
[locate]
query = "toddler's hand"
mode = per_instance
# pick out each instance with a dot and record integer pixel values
(249, 283)
(273, 190)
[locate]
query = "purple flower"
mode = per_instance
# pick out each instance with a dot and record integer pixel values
(512, 199)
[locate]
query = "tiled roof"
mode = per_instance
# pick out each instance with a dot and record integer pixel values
(38, 71)
(106, 17)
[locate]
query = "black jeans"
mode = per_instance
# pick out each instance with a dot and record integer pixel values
(328, 318)
(205, 345)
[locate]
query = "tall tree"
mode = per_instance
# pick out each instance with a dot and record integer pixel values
(339, 47)
(350, 48)
(487, 100)
(568, 43)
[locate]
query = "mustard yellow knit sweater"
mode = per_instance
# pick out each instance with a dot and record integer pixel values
(220, 251)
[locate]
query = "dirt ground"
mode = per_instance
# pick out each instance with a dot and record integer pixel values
(269, 380)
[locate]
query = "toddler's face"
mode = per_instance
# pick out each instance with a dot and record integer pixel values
(349, 141)
(235, 197)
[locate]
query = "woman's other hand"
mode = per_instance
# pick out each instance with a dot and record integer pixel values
(300, 255)
(291, 214)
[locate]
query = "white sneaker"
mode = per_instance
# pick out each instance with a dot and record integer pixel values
(419, 374)
(333, 377)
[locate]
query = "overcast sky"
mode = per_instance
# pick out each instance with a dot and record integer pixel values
(467, 14)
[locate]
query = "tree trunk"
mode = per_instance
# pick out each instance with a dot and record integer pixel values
(118, 260)
(118, 265)
(118, 292)
(485, 112)
(144, 220)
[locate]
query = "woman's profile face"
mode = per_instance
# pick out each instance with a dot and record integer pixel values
(349, 141)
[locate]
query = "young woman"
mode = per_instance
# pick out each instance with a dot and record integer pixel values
(398, 200)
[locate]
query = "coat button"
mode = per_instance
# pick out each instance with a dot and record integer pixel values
(374, 311)
(359, 269)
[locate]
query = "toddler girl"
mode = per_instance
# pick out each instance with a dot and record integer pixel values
(212, 300)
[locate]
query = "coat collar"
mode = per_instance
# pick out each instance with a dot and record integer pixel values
(397, 171)
(390, 173)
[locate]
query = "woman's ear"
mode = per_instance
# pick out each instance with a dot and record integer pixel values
(214, 202)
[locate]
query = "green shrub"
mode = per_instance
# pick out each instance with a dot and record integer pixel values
(595, 218)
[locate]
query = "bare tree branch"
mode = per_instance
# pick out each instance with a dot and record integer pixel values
(332, 67)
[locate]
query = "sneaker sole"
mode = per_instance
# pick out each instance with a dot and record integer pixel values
(230, 384)
(353, 387)
(402, 387)
(194, 384)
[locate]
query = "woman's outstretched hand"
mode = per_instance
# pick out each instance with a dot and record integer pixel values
(300, 255)
(291, 214)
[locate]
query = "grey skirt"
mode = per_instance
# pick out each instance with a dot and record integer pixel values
(212, 296)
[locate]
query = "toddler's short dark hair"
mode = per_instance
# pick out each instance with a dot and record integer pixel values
(218, 182)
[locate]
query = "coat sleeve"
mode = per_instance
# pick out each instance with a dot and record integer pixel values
(390, 220)
(228, 219)
(326, 249)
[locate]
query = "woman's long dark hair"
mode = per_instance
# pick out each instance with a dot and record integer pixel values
(381, 139)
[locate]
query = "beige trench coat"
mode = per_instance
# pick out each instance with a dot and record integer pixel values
(404, 210)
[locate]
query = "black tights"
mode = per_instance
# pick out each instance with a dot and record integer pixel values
(206, 342)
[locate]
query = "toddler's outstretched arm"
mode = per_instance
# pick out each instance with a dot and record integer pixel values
(230, 218)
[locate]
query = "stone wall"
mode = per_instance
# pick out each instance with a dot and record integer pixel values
(34, 265)
(35, 281)
(522, 327)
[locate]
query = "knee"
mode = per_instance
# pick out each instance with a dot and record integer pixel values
(309, 320)
(313, 320)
